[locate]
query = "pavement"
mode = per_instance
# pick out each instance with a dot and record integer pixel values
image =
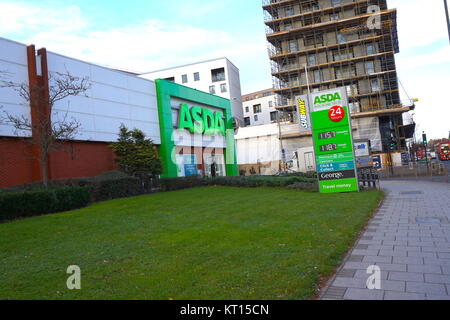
(408, 240)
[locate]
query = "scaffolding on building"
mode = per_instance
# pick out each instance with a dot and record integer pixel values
(337, 43)
(333, 63)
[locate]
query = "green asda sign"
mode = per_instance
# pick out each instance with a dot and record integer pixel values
(333, 141)
(331, 97)
(201, 121)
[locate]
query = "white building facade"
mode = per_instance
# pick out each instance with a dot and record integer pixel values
(219, 77)
(258, 149)
(259, 108)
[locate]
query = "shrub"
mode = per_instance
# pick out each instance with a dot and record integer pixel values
(258, 181)
(114, 184)
(41, 201)
(303, 186)
(172, 184)
(136, 155)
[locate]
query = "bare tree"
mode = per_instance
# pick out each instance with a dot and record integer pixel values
(49, 129)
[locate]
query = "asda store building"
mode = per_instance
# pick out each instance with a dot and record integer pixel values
(192, 129)
(197, 136)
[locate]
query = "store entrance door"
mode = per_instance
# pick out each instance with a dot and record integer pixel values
(214, 165)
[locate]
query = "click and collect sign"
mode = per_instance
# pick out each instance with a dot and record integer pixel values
(333, 141)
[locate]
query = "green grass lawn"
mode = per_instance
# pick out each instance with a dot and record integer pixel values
(203, 243)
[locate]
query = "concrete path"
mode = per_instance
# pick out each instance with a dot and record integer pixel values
(409, 240)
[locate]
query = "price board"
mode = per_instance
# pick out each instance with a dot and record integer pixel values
(333, 141)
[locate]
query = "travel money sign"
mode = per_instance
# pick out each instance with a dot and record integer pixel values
(333, 141)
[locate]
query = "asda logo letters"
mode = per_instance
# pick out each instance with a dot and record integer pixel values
(327, 98)
(201, 121)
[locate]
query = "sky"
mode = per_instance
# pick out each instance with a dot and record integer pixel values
(148, 35)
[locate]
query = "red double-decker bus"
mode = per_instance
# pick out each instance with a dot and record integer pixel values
(443, 151)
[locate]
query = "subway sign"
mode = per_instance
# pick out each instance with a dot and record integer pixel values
(333, 141)
(201, 120)
(304, 113)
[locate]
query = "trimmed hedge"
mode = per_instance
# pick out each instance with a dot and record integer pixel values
(114, 185)
(42, 201)
(258, 181)
(173, 184)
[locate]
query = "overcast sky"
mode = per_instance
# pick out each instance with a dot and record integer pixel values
(143, 35)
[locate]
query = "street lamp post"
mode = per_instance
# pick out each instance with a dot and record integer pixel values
(425, 144)
(448, 19)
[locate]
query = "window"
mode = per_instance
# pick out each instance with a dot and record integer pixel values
(342, 55)
(289, 11)
(293, 47)
(374, 85)
(270, 104)
(197, 76)
(256, 117)
(345, 72)
(336, 3)
(317, 76)
(247, 121)
(307, 21)
(212, 89)
(218, 75)
(352, 90)
(247, 109)
(274, 116)
(314, 40)
(257, 108)
(370, 67)
(312, 60)
(310, 6)
(287, 26)
(340, 37)
(267, 94)
(171, 79)
(184, 78)
(370, 49)
(223, 88)
(334, 17)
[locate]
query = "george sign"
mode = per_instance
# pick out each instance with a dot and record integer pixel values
(333, 141)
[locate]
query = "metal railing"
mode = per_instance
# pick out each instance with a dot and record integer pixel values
(434, 171)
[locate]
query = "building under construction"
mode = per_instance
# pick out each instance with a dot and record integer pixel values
(324, 44)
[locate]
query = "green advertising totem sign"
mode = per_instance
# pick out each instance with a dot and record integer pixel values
(333, 141)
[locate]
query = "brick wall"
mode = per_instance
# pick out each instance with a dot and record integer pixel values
(76, 159)
(16, 164)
